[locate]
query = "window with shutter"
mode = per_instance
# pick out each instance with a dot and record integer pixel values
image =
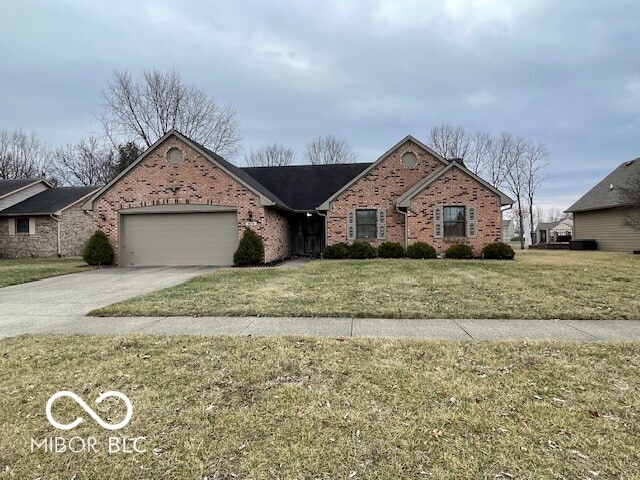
(366, 223)
(454, 221)
(382, 224)
(351, 225)
(437, 221)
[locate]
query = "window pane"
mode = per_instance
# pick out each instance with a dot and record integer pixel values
(22, 225)
(454, 222)
(366, 223)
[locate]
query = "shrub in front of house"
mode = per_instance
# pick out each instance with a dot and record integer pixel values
(362, 250)
(337, 251)
(421, 250)
(98, 250)
(498, 251)
(391, 250)
(250, 250)
(459, 251)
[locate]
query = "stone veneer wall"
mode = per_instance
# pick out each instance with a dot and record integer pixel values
(194, 180)
(42, 244)
(76, 227)
(380, 188)
(455, 188)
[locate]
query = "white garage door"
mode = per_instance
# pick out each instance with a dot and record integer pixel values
(178, 238)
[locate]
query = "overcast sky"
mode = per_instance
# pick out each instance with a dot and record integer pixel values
(564, 73)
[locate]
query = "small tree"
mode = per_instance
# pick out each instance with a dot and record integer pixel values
(98, 250)
(250, 250)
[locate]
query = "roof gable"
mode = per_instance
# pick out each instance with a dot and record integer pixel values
(408, 138)
(49, 202)
(405, 200)
(9, 187)
(266, 197)
(608, 192)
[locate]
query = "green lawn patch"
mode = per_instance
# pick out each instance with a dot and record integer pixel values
(13, 272)
(228, 407)
(538, 284)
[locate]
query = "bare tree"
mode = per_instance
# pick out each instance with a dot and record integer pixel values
(534, 164)
(22, 155)
(512, 152)
(270, 156)
(450, 141)
(147, 108)
(329, 150)
(88, 162)
(478, 159)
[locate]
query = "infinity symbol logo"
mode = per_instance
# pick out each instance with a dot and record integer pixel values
(89, 410)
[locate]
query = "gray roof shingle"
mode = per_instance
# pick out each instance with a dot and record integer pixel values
(305, 187)
(602, 195)
(48, 202)
(8, 186)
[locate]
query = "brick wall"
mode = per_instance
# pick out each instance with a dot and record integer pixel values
(380, 188)
(194, 180)
(455, 188)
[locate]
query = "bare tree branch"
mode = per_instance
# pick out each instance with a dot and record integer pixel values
(86, 163)
(270, 156)
(329, 150)
(631, 195)
(22, 155)
(147, 108)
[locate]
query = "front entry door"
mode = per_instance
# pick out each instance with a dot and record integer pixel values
(310, 235)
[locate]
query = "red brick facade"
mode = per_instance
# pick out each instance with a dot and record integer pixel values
(455, 188)
(195, 180)
(380, 188)
(389, 179)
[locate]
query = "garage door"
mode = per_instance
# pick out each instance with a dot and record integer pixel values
(178, 238)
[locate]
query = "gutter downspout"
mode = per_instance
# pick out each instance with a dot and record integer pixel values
(58, 240)
(406, 226)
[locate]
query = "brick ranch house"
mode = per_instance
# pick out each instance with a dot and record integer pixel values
(181, 204)
(38, 220)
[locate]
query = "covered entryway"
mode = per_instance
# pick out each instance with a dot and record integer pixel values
(150, 236)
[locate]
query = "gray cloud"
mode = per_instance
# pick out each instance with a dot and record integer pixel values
(562, 73)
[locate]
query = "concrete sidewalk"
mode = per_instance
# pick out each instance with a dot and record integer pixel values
(573, 330)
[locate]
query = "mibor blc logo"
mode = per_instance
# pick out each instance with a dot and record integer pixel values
(78, 444)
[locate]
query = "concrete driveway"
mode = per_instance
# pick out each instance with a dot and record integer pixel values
(41, 306)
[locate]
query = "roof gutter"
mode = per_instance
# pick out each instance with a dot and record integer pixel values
(58, 239)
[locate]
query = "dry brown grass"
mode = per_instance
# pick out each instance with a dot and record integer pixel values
(538, 284)
(13, 272)
(293, 408)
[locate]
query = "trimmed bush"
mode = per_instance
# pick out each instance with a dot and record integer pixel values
(362, 250)
(390, 250)
(98, 250)
(421, 250)
(250, 250)
(337, 251)
(498, 251)
(459, 251)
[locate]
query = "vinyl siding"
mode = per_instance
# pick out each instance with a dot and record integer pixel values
(608, 228)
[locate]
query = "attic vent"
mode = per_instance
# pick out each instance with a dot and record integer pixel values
(629, 163)
(409, 159)
(174, 155)
(611, 186)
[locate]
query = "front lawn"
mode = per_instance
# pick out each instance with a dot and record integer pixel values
(13, 272)
(289, 408)
(537, 284)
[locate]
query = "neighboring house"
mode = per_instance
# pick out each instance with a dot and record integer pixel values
(601, 214)
(555, 232)
(47, 223)
(181, 204)
(508, 230)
